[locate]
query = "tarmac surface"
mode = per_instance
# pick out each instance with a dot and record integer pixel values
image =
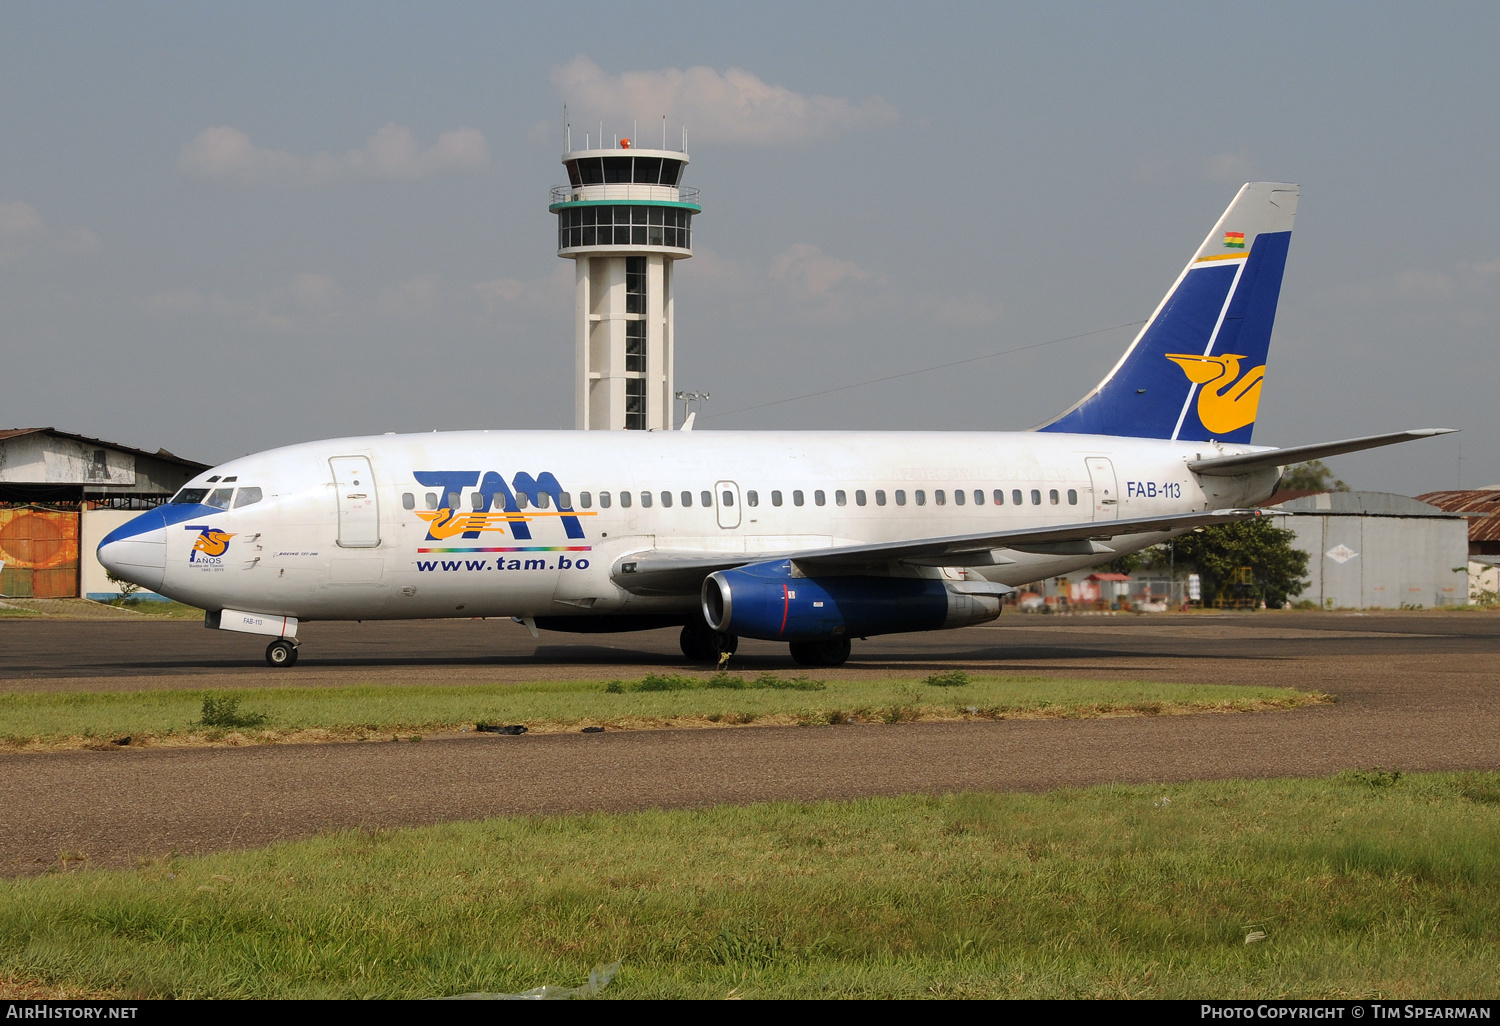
(1416, 691)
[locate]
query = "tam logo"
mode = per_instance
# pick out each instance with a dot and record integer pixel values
(211, 543)
(499, 505)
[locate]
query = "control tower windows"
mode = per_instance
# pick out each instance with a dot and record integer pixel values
(624, 225)
(635, 289)
(622, 170)
(635, 346)
(635, 402)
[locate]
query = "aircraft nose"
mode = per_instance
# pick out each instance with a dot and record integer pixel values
(137, 550)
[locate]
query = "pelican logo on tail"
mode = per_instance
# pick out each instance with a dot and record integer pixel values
(1228, 400)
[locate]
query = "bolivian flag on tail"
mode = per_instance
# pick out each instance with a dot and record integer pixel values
(1234, 240)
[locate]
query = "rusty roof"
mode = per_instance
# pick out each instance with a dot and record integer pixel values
(160, 454)
(1480, 505)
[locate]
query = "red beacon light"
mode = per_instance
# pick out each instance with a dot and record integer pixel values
(624, 144)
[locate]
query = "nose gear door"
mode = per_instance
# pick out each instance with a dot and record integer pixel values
(359, 513)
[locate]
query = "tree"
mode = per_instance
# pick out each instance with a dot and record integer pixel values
(127, 588)
(1218, 551)
(1312, 476)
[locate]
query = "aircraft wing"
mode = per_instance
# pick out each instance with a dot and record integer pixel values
(1229, 466)
(675, 572)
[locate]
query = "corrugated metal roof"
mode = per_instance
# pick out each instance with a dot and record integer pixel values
(1376, 504)
(160, 454)
(1480, 505)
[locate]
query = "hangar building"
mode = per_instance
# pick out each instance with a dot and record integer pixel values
(60, 494)
(1481, 507)
(1377, 550)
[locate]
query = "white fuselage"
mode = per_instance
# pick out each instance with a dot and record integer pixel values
(319, 549)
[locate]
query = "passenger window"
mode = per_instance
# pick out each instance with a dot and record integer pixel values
(820, 497)
(431, 500)
(707, 497)
(1072, 496)
(585, 500)
(1052, 496)
(940, 497)
(958, 496)
(728, 497)
(776, 498)
(1036, 496)
(408, 500)
(604, 500)
(666, 500)
(476, 500)
(564, 500)
(220, 498)
(979, 496)
(880, 496)
(687, 498)
(646, 500)
(1015, 496)
(921, 497)
(247, 496)
(752, 498)
(455, 500)
(900, 496)
(543, 500)
(796, 497)
(522, 501)
(999, 496)
(840, 498)
(859, 496)
(624, 500)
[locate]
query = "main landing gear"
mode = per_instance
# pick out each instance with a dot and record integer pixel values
(701, 645)
(831, 652)
(281, 652)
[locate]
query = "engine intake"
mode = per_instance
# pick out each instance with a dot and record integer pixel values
(767, 601)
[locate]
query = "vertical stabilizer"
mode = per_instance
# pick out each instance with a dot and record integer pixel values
(1195, 370)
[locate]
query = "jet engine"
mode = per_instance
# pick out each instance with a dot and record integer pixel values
(774, 602)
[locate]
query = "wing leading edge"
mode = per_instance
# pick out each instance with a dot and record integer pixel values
(676, 572)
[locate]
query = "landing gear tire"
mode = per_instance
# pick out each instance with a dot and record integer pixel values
(832, 652)
(701, 645)
(281, 653)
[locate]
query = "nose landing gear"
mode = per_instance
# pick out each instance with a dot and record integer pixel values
(281, 652)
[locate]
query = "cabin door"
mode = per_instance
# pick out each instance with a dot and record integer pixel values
(359, 514)
(1106, 490)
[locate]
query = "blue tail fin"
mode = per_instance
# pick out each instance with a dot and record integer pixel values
(1195, 370)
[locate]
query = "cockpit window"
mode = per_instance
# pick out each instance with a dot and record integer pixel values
(189, 496)
(219, 499)
(246, 496)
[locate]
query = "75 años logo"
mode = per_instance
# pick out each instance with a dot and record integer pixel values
(211, 543)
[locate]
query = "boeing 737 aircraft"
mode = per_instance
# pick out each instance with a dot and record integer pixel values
(813, 538)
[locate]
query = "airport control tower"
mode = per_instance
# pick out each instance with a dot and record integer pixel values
(624, 220)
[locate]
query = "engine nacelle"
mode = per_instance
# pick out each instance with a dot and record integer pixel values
(768, 601)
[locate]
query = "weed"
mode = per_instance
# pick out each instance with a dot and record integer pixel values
(952, 679)
(224, 711)
(663, 682)
(726, 680)
(615, 687)
(801, 682)
(1373, 777)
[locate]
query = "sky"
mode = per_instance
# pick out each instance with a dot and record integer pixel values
(229, 227)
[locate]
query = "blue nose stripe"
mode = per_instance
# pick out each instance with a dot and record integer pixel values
(158, 518)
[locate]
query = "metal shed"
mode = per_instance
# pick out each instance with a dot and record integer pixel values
(1377, 550)
(60, 493)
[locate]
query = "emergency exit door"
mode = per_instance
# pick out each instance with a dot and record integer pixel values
(1106, 490)
(359, 513)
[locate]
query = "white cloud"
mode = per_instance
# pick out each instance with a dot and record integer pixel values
(1230, 168)
(225, 156)
(813, 271)
(308, 302)
(24, 231)
(413, 298)
(732, 107)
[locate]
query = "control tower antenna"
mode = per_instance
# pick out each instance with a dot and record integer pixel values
(624, 219)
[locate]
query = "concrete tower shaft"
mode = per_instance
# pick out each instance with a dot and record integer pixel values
(624, 220)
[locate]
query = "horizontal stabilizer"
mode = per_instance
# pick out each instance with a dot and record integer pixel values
(1246, 463)
(677, 572)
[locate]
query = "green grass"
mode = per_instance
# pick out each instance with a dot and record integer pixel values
(83, 718)
(1365, 885)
